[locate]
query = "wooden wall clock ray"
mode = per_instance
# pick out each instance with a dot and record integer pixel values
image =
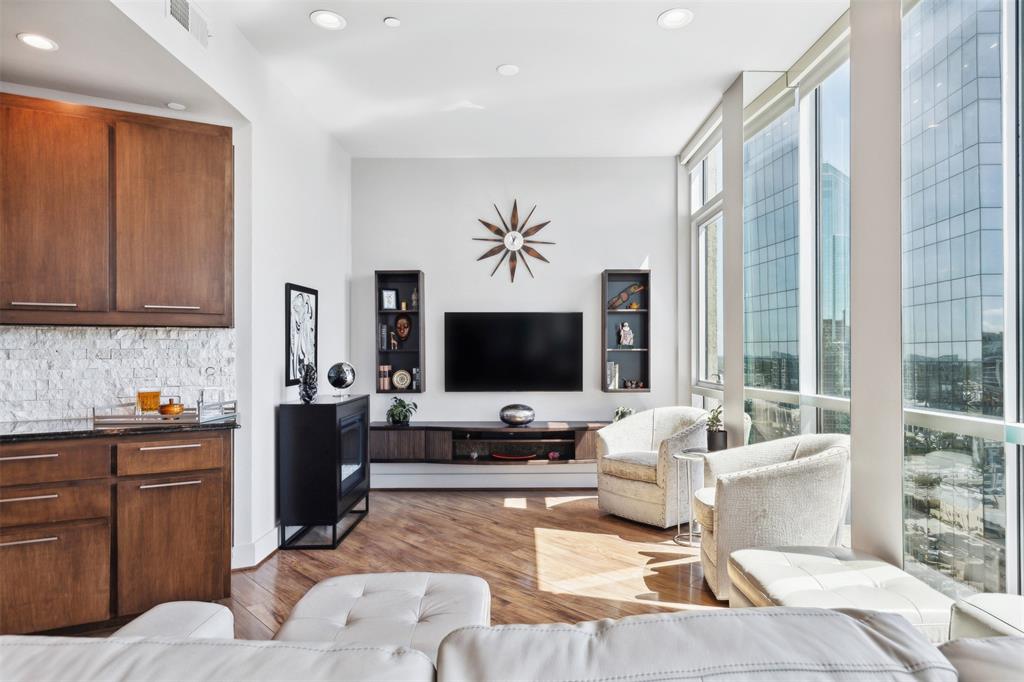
(515, 240)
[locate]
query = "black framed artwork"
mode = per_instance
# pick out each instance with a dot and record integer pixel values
(301, 310)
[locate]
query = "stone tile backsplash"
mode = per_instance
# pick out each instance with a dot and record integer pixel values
(63, 372)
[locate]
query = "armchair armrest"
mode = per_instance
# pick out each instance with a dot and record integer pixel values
(692, 439)
(183, 619)
(800, 502)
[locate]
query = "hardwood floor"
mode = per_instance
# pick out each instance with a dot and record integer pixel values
(549, 556)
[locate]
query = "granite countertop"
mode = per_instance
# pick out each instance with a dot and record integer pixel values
(16, 432)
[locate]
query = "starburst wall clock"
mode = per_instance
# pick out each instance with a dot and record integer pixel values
(515, 241)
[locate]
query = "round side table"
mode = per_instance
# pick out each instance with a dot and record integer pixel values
(683, 460)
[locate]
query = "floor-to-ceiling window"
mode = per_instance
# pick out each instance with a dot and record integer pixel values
(832, 118)
(955, 316)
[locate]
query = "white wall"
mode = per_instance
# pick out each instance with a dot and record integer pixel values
(292, 184)
(605, 213)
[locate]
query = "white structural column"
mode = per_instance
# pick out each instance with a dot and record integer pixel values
(686, 328)
(875, 279)
(732, 230)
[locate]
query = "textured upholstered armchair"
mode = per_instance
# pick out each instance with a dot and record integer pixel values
(790, 491)
(636, 478)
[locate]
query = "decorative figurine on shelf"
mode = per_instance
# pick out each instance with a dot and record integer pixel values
(403, 327)
(625, 335)
(415, 299)
(403, 306)
(554, 455)
(624, 295)
(393, 341)
(307, 383)
(634, 306)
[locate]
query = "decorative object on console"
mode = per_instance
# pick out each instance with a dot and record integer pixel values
(401, 380)
(517, 414)
(624, 295)
(307, 383)
(718, 439)
(341, 375)
(554, 455)
(401, 411)
(622, 412)
(300, 337)
(389, 299)
(625, 335)
(514, 241)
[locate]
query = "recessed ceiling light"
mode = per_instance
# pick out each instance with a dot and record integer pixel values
(37, 41)
(325, 18)
(508, 69)
(392, 22)
(177, 106)
(675, 18)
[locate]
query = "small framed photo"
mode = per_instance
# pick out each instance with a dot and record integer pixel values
(389, 299)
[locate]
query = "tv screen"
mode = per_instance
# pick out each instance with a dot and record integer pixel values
(513, 351)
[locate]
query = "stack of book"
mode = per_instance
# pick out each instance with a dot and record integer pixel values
(384, 378)
(382, 337)
(612, 375)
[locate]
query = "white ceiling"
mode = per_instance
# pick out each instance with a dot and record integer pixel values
(596, 79)
(102, 54)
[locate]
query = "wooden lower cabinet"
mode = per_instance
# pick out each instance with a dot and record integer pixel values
(97, 528)
(54, 576)
(170, 540)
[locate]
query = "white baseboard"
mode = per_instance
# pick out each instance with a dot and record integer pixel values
(250, 554)
(384, 476)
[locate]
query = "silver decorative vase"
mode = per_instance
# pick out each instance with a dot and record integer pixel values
(516, 414)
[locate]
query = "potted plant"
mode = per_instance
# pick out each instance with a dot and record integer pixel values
(718, 439)
(621, 413)
(401, 411)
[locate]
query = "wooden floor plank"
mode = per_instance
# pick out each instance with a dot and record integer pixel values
(548, 556)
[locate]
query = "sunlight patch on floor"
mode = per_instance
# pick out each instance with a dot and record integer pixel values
(552, 502)
(604, 566)
(515, 503)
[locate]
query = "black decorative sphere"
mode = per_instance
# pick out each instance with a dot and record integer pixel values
(517, 415)
(341, 375)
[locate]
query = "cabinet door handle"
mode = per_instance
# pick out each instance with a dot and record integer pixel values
(169, 485)
(45, 304)
(171, 447)
(54, 496)
(12, 459)
(149, 306)
(34, 541)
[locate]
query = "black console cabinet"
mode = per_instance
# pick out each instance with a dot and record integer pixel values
(323, 471)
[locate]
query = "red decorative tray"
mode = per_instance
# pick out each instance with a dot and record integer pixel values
(499, 455)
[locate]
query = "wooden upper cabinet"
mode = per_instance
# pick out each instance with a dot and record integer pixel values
(173, 220)
(55, 221)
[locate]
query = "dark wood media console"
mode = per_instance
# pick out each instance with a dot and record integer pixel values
(454, 442)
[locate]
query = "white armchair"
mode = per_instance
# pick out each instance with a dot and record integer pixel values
(790, 491)
(635, 475)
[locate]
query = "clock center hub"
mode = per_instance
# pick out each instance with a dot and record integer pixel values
(513, 241)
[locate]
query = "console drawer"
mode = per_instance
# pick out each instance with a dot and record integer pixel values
(169, 455)
(24, 506)
(53, 460)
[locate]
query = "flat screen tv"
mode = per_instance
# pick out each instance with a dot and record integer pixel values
(513, 351)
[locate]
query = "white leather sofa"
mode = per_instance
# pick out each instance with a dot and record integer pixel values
(636, 477)
(790, 491)
(777, 644)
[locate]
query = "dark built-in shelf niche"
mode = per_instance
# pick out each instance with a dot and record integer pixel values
(634, 361)
(410, 355)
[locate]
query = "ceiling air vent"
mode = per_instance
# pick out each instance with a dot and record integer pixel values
(190, 18)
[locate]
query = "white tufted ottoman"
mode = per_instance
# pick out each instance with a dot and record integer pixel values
(412, 610)
(835, 578)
